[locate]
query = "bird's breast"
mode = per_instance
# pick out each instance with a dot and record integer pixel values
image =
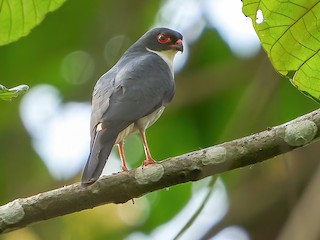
(142, 123)
(126, 132)
(147, 121)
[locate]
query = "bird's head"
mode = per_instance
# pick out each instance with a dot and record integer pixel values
(164, 42)
(163, 39)
(160, 40)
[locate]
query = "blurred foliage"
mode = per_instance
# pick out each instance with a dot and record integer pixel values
(219, 97)
(289, 32)
(9, 94)
(17, 18)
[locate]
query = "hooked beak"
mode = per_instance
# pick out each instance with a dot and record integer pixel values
(178, 45)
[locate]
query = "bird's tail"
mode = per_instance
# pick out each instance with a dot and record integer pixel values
(99, 154)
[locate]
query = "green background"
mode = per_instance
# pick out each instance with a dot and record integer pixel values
(219, 97)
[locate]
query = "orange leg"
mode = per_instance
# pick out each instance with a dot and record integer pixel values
(122, 157)
(149, 159)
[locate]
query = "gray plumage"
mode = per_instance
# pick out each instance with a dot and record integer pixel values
(129, 97)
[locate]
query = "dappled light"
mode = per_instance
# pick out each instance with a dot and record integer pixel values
(232, 233)
(213, 211)
(77, 67)
(233, 26)
(59, 132)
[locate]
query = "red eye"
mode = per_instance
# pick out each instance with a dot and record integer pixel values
(163, 38)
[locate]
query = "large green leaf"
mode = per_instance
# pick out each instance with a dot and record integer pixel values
(9, 94)
(290, 33)
(18, 17)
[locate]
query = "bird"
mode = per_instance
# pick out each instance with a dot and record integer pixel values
(130, 97)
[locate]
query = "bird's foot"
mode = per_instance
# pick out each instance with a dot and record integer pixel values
(124, 169)
(148, 161)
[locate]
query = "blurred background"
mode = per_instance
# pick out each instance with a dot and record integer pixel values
(226, 88)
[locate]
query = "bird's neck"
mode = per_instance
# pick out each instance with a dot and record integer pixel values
(167, 56)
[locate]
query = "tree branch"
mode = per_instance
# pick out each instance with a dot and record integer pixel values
(121, 187)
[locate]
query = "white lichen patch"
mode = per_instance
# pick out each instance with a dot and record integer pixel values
(95, 188)
(242, 150)
(150, 173)
(214, 155)
(12, 212)
(300, 133)
(41, 204)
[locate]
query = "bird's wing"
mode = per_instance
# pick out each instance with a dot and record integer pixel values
(144, 85)
(133, 89)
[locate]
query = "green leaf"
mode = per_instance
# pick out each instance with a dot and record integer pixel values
(9, 94)
(18, 17)
(290, 34)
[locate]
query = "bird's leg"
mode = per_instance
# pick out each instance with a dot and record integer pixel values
(123, 160)
(122, 157)
(149, 159)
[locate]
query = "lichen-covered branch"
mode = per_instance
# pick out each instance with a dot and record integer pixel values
(121, 187)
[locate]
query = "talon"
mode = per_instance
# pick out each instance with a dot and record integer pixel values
(148, 162)
(124, 169)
